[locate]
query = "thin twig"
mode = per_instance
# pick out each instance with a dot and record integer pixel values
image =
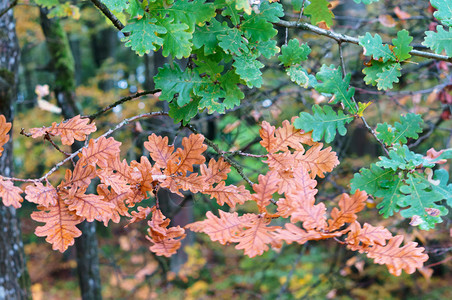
(342, 38)
(223, 154)
(385, 149)
(238, 152)
(119, 102)
(14, 3)
(104, 9)
(48, 138)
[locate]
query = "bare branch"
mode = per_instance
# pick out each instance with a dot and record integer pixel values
(14, 3)
(342, 38)
(104, 9)
(119, 102)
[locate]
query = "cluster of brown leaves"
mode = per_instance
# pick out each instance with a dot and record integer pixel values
(293, 168)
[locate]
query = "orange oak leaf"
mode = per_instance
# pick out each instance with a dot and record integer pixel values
(159, 150)
(292, 233)
(117, 199)
(135, 196)
(74, 128)
(147, 173)
(10, 194)
(42, 195)
(166, 241)
(192, 183)
(229, 194)
(396, 258)
(90, 206)
(267, 133)
(222, 229)
(256, 235)
(80, 177)
(287, 181)
(190, 155)
(360, 238)
(114, 180)
(101, 152)
(317, 161)
(126, 172)
(4, 129)
(216, 171)
(280, 161)
(40, 131)
(264, 190)
(60, 229)
(139, 215)
(349, 206)
(289, 136)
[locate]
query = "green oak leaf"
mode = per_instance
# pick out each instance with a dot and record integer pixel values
(243, 5)
(389, 75)
(319, 12)
(272, 12)
(369, 179)
(297, 4)
(442, 187)
(293, 53)
(115, 5)
(191, 13)
(372, 71)
(143, 35)
(419, 199)
(268, 49)
(208, 35)
(439, 41)
(175, 83)
(333, 83)
(229, 83)
(301, 77)
(229, 10)
(391, 196)
(402, 45)
(247, 67)
(386, 133)
(135, 9)
(373, 46)
(233, 42)
(444, 11)
(210, 94)
(176, 40)
(409, 127)
(185, 113)
(258, 29)
(402, 158)
(323, 123)
(209, 64)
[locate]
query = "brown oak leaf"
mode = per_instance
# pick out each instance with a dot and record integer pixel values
(60, 229)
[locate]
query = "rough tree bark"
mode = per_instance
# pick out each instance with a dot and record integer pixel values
(62, 63)
(14, 280)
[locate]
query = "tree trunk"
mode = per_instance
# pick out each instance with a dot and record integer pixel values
(14, 280)
(62, 61)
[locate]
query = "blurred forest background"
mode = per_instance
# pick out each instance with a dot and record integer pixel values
(104, 70)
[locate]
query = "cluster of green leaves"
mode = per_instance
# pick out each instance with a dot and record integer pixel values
(223, 40)
(398, 181)
(439, 41)
(385, 65)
